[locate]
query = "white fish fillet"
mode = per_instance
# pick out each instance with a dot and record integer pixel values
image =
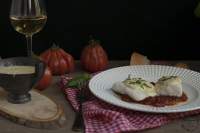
(119, 87)
(169, 86)
(135, 91)
(138, 93)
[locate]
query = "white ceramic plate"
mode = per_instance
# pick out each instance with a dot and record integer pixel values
(100, 85)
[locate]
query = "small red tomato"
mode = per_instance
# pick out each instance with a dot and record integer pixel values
(45, 81)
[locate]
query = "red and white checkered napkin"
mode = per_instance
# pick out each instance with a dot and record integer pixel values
(101, 117)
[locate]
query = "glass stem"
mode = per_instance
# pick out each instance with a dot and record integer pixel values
(29, 45)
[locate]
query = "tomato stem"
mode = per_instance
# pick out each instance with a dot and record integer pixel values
(93, 41)
(54, 46)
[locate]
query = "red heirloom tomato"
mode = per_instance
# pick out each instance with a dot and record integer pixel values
(59, 61)
(93, 57)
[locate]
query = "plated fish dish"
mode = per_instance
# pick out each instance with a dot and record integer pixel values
(167, 91)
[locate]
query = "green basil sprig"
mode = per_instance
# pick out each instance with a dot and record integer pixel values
(79, 80)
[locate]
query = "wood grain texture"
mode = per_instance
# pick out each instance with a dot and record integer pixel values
(40, 112)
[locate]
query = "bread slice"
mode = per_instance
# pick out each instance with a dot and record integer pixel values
(182, 65)
(139, 59)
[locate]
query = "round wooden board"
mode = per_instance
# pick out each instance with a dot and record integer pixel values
(40, 112)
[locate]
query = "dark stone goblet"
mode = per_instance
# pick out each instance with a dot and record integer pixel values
(19, 85)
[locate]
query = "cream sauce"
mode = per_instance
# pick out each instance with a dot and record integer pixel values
(14, 70)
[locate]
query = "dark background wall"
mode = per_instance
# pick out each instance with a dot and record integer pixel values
(160, 29)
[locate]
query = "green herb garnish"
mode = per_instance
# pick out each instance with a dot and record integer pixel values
(79, 80)
(142, 86)
(164, 78)
(146, 85)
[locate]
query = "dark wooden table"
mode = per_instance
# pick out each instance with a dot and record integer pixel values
(186, 125)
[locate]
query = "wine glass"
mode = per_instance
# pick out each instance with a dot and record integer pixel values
(28, 17)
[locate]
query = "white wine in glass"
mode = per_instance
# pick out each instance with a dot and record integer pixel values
(28, 17)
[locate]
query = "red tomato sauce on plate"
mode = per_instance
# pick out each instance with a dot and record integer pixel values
(157, 101)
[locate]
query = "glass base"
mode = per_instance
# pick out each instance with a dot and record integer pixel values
(18, 99)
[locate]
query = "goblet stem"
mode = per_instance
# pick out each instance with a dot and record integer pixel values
(29, 45)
